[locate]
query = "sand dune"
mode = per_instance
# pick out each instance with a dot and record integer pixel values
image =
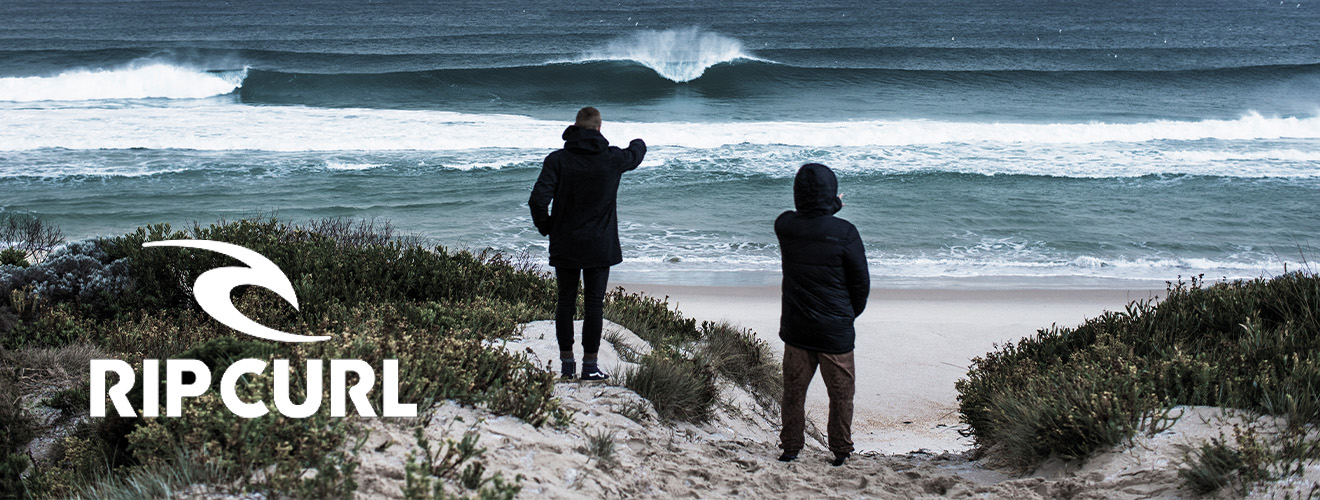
(735, 455)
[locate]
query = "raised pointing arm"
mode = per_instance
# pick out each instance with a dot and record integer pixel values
(632, 157)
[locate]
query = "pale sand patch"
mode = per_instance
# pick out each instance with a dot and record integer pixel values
(734, 456)
(912, 345)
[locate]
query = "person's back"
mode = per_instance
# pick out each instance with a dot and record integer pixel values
(582, 180)
(826, 281)
(825, 287)
(584, 231)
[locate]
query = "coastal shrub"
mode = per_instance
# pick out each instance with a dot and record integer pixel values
(600, 445)
(1252, 345)
(55, 326)
(462, 365)
(650, 318)
(1214, 465)
(635, 410)
(69, 401)
(738, 355)
(326, 269)
(77, 460)
(432, 472)
(12, 466)
(13, 257)
(442, 313)
(350, 232)
(157, 334)
(680, 388)
(179, 477)
(79, 273)
(17, 428)
(25, 233)
(682, 368)
(270, 453)
(21, 306)
(454, 356)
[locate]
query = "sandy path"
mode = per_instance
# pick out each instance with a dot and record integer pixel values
(912, 345)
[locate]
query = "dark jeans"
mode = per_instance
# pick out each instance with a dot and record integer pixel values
(593, 305)
(840, 374)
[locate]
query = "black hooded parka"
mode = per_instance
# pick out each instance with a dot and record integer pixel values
(582, 180)
(826, 281)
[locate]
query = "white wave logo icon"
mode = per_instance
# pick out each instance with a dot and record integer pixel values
(212, 288)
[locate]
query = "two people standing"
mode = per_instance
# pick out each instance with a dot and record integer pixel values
(825, 284)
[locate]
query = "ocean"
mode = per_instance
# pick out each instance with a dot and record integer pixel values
(1002, 141)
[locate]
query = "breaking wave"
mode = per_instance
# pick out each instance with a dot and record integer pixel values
(155, 80)
(680, 55)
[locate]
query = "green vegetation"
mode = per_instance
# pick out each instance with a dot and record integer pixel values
(16, 429)
(442, 313)
(432, 472)
(26, 237)
(600, 446)
(436, 310)
(1215, 465)
(681, 373)
(1250, 345)
(180, 476)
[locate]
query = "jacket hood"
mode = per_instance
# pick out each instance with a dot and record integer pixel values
(816, 190)
(584, 140)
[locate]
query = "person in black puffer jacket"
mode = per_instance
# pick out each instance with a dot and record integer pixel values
(582, 180)
(826, 283)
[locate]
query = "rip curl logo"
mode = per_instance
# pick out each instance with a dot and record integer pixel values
(212, 288)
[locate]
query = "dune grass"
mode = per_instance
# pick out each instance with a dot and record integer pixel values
(1069, 391)
(681, 374)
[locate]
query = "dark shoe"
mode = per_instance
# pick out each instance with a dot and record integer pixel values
(593, 374)
(568, 371)
(839, 459)
(788, 457)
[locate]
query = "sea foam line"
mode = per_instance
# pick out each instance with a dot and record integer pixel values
(935, 267)
(292, 128)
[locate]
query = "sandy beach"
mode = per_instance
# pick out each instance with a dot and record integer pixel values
(912, 345)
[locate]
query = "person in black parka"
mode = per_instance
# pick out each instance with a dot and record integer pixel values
(826, 283)
(582, 180)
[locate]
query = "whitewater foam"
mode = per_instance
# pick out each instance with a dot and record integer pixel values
(888, 268)
(135, 81)
(652, 248)
(1289, 155)
(293, 128)
(681, 55)
(348, 165)
(884, 268)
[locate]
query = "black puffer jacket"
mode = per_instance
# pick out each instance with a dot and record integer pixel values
(825, 277)
(583, 182)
